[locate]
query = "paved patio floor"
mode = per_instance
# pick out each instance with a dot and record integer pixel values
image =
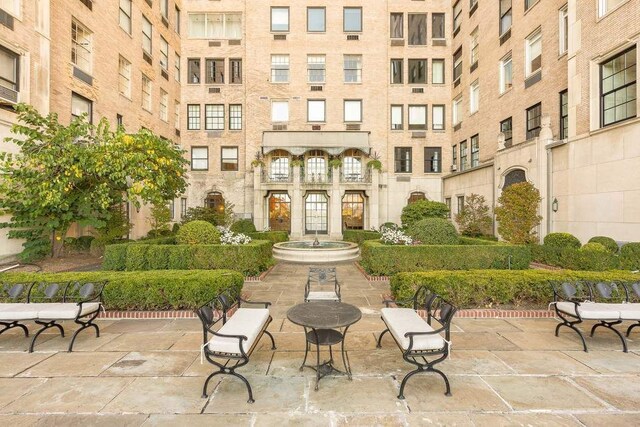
(148, 372)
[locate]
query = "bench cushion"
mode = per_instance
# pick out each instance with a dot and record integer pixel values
(591, 310)
(64, 311)
(324, 296)
(18, 311)
(245, 321)
(627, 311)
(403, 320)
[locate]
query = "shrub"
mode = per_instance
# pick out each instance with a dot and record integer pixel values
(562, 240)
(244, 226)
(359, 236)
(384, 260)
(271, 236)
(175, 228)
(630, 256)
(592, 258)
(463, 240)
(79, 244)
(203, 213)
(167, 240)
(423, 209)
(607, 242)
(517, 213)
(159, 220)
(198, 233)
(148, 290)
(490, 288)
(475, 219)
(433, 231)
(391, 225)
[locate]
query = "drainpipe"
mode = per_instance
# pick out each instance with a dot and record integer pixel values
(550, 196)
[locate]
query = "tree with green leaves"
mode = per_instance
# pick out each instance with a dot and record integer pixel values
(76, 173)
(517, 213)
(159, 220)
(475, 220)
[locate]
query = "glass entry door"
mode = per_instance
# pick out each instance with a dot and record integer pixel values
(316, 213)
(280, 212)
(353, 211)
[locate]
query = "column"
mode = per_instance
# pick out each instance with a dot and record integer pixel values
(335, 206)
(374, 200)
(297, 206)
(259, 219)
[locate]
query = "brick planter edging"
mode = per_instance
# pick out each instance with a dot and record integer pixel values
(370, 278)
(259, 278)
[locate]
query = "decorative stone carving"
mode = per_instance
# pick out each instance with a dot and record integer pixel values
(501, 141)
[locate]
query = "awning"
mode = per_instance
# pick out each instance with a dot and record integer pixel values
(298, 143)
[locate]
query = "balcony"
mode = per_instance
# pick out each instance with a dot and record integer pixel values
(362, 177)
(276, 177)
(315, 178)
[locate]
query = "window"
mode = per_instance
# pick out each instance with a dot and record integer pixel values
(417, 71)
(604, 6)
(279, 19)
(396, 71)
(352, 18)
(193, 117)
(457, 110)
(475, 150)
(472, 3)
(183, 207)
(215, 25)
(353, 68)
(164, 106)
(416, 196)
(176, 70)
(402, 160)
(235, 117)
(460, 203)
(193, 70)
(507, 129)
(437, 26)
(437, 119)
(457, 16)
(146, 93)
(437, 71)
(474, 97)
(80, 46)
(432, 160)
(454, 157)
(353, 110)
(119, 120)
(534, 116)
(505, 16)
(279, 68)
(397, 26)
(124, 80)
(447, 202)
(164, 8)
(214, 117)
(506, 73)
(563, 33)
(315, 110)
(164, 54)
(147, 34)
(280, 111)
(176, 114)
(215, 201)
(564, 114)
(235, 70)
(229, 159)
(417, 117)
(417, 29)
(9, 69)
(396, 117)
(214, 71)
(177, 23)
(316, 68)
(199, 158)
(533, 48)
(529, 3)
(463, 156)
(125, 15)
(81, 105)
(316, 20)
(457, 64)
(473, 46)
(618, 77)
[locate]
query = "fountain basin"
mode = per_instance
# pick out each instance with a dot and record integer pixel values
(303, 251)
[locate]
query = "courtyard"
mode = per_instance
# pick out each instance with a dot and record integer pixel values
(148, 372)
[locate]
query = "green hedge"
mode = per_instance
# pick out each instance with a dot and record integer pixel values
(478, 241)
(491, 288)
(272, 236)
(250, 259)
(360, 236)
(167, 240)
(149, 290)
(384, 260)
(575, 259)
(630, 256)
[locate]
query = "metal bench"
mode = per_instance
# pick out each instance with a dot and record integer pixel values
(239, 331)
(322, 285)
(417, 339)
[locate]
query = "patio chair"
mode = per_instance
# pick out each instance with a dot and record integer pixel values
(633, 293)
(322, 285)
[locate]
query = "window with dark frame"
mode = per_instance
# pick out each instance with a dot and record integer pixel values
(454, 155)
(475, 150)
(618, 88)
(235, 117)
(214, 71)
(81, 105)
(437, 26)
(457, 16)
(147, 36)
(460, 204)
(529, 3)
(396, 71)
(183, 207)
(432, 159)
(193, 70)
(564, 114)
(463, 156)
(235, 71)
(402, 160)
(228, 159)
(457, 64)
(397, 26)
(505, 16)
(199, 158)
(214, 117)
(125, 15)
(10, 70)
(177, 20)
(534, 120)
(447, 201)
(417, 24)
(417, 71)
(507, 130)
(193, 117)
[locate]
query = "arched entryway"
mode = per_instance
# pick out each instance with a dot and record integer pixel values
(215, 201)
(353, 211)
(416, 196)
(514, 176)
(279, 212)
(316, 213)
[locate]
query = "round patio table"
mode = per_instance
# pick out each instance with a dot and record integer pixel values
(321, 321)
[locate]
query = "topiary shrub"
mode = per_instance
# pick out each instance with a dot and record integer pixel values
(607, 242)
(630, 256)
(198, 233)
(517, 213)
(423, 209)
(433, 231)
(244, 226)
(562, 240)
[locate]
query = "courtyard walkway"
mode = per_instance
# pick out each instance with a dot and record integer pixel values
(502, 372)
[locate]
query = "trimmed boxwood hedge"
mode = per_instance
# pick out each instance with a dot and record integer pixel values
(250, 259)
(272, 236)
(385, 260)
(148, 290)
(360, 236)
(491, 288)
(575, 259)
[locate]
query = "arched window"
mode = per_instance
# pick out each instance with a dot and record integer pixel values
(279, 166)
(353, 211)
(215, 201)
(514, 177)
(352, 165)
(316, 170)
(417, 195)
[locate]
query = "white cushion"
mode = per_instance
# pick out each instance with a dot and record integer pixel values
(403, 320)
(324, 296)
(627, 311)
(18, 311)
(591, 310)
(64, 311)
(245, 321)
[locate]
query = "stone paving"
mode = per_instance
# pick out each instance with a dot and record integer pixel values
(148, 372)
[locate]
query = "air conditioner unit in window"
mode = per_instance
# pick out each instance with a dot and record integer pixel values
(454, 168)
(8, 96)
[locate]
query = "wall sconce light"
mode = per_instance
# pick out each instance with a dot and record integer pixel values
(554, 205)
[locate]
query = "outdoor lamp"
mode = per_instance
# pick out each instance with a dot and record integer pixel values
(554, 205)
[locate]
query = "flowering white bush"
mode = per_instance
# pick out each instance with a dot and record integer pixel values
(392, 236)
(228, 237)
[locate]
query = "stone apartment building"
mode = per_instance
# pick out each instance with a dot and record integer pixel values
(282, 105)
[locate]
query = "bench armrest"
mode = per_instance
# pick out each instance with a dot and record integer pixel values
(240, 338)
(435, 331)
(241, 300)
(388, 302)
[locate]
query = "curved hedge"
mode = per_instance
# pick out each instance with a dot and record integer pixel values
(250, 259)
(272, 236)
(576, 259)
(562, 240)
(384, 260)
(149, 290)
(433, 231)
(491, 288)
(607, 242)
(630, 256)
(360, 236)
